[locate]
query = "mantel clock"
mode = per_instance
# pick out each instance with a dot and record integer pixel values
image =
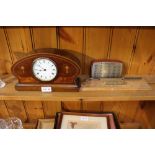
(47, 68)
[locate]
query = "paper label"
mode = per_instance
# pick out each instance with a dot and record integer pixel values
(46, 89)
(83, 118)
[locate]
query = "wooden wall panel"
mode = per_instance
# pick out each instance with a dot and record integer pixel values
(34, 110)
(122, 44)
(148, 114)
(144, 57)
(19, 39)
(125, 111)
(97, 44)
(50, 108)
(3, 110)
(5, 57)
(71, 38)
(143, 118)
(71, 106)
(44, 37)
(93, 106)
(16, 109)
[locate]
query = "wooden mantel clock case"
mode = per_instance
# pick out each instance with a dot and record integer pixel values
(54, 68)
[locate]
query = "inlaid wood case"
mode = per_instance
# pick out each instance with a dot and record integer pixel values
(54, 68)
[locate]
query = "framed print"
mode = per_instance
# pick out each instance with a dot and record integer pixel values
(70, 120)
(45, 124)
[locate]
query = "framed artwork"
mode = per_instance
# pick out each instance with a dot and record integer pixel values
(70, 120)
(45, 124)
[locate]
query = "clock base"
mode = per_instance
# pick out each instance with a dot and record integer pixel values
(55, 87)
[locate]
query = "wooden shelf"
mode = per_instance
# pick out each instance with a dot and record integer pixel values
(130, 125)
(122, 125)
(9, 93)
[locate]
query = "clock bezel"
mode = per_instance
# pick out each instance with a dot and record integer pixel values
(46, 59)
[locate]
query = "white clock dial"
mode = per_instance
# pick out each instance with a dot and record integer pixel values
(44, 69)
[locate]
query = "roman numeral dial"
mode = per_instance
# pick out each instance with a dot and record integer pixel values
(44, 69)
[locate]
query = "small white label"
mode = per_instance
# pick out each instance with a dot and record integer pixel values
(83, 118)
(46, 89)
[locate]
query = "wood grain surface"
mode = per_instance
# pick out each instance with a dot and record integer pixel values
(133, 45)
(6, 57)
(44, 37)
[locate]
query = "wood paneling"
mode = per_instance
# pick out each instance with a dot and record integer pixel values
(124, 110)
(93, 106)
(16, 109)
(148, 114)
(5, 56)
(50, 108)
(133, 46)
(3, 110)
(97, 44)
(127, 111)
(44, 37)
(144, 57)
(19, 39)
(71, 106)
(142, 118)
(34, 110)
(71, 38)
(122, 44)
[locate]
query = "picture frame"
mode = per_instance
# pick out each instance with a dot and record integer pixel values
(74, 120)
(45, 123)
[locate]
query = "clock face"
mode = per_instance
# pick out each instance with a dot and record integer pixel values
(44, 69)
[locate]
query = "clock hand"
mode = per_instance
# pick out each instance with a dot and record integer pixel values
(41, 67)
(38, 70)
